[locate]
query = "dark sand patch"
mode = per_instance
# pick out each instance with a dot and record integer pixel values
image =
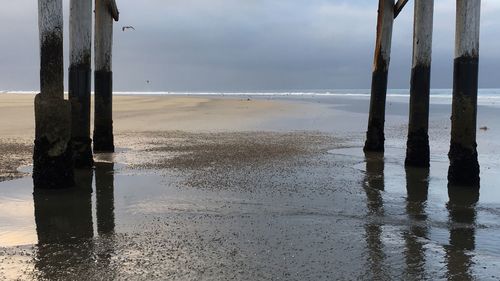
(232, 160)
(13, 154)
(201, 150)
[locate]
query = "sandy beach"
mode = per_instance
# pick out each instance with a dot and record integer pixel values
(138, 114)
(250, 188)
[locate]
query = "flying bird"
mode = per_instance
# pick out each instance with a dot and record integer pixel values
(127, 27)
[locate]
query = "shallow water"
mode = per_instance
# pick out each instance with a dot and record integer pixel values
(332, 214)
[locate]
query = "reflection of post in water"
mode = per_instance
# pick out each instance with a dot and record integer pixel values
(104, 181)
(64, 227)
(104, 178)
(373, 185)
(417, 185)
(374, 181)
(462, 217)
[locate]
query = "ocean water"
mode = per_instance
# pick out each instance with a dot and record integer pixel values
(489, 97)
(435, 93)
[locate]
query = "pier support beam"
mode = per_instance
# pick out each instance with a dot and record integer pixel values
(105, 12)
(417, 151)
(80, 34)
(464, 166)
(375, 135)
(52, 156)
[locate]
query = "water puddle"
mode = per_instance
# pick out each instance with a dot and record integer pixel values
(341, 215)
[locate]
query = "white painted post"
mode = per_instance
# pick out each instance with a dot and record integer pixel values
(375, 134)
(464, 166)
(80, 35)
(105, 12)
(417, 152)
(52, 157)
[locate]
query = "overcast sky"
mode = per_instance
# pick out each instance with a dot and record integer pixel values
(250, 45)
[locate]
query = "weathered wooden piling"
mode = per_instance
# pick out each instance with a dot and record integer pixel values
(52, 156)
(105, 13)
(417, 151)
(464, 166)
(80, 34)
(399, 7)
(375, 135)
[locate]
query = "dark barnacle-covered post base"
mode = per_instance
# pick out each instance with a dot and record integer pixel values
(52, 156)
(103, 122)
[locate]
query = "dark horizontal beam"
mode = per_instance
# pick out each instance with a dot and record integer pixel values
(113, 9)
(399, 7)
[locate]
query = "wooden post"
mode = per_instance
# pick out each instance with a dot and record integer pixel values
(375, 134)
(417, 151)
(464, 167)
(80, 34)
(399, 7)
(52, 157)
(105, 12)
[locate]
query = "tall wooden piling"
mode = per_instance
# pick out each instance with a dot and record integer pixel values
(376, 120)
(464, 166)
(417, 151)
(80, 34)
(105, 13)
(52, 157)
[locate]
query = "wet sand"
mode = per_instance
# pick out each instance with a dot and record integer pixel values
(138, 114)
(226, 188)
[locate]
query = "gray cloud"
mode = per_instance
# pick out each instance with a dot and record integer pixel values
(250, 45)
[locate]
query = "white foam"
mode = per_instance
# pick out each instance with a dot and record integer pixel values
(485, 96)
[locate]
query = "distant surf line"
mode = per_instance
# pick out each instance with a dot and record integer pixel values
(489, 94)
